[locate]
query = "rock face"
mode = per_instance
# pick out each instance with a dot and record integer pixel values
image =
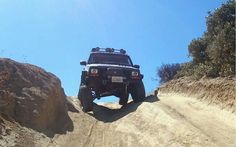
(33, 97)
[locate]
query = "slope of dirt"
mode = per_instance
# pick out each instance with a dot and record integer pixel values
(171, 120)
(217, 91)
(13, 134)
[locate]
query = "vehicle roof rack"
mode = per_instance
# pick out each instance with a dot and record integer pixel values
(108, 50)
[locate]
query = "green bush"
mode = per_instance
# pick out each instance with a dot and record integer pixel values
(213, 54)
(202, 70)
(197, 71)
(167, 72)
(197, 50)
(186, 69)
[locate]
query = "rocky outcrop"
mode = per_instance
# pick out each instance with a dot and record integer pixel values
(219, 91)
(71, 104)
(33, 97)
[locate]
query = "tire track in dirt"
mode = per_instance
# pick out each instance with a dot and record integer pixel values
(169, 121)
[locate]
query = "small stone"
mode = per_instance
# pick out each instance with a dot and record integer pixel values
(8, 131)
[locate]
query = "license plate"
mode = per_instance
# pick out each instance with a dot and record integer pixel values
(116, 79)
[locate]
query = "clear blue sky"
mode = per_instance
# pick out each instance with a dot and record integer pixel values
(57, 34)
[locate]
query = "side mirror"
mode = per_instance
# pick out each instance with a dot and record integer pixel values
(136, 66)
(83, 62)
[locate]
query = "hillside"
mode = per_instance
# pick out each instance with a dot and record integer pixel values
(215, 91)
(34, 112)
(170, 120)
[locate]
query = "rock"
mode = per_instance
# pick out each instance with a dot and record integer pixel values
(70, 105)
(33, 97)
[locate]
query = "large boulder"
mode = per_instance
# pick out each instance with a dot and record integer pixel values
(33, 97)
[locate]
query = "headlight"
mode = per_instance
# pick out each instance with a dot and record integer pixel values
(134, 73)
(94, 71)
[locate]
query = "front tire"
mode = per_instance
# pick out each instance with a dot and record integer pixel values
(137, 92)
(124, 96)
(86, 98)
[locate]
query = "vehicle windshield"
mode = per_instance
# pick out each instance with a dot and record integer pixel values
(109, 59)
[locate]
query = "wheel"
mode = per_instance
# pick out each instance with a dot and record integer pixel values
(86, 99)
(83, 78)
(124, 96)
(137, 92)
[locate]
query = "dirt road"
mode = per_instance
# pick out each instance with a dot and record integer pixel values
(168, 121)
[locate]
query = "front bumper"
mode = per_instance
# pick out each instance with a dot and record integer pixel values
(96, 81)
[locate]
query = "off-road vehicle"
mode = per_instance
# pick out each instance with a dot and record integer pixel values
(109, 72)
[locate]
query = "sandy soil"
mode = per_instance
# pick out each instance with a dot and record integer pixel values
(167, 121)
(13, 134)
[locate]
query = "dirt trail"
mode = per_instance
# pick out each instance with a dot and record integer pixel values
(169, 121)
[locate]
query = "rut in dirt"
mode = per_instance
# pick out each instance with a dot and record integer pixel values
(164, 121)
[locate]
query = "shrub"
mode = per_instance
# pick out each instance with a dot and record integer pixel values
(213, 54)
(186, 69)
(197, 50)
(202, 70)
(167, 72)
